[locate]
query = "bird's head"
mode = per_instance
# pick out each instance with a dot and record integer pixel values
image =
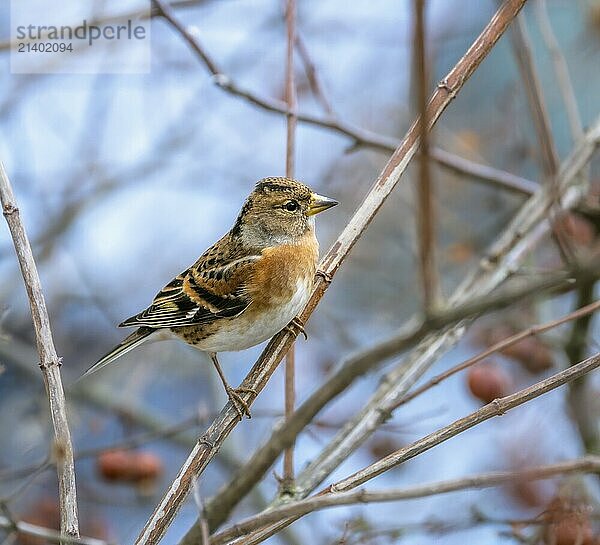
(279, 211)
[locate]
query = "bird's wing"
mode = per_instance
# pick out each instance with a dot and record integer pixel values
(214, 287)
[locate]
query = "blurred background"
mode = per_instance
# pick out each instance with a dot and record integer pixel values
(124, 180)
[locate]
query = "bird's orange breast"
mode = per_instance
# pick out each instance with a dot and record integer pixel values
(276, 276)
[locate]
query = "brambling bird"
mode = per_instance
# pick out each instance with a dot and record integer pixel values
(246, 287)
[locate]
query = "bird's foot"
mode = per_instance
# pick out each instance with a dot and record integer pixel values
(296, 327)
(238, 402)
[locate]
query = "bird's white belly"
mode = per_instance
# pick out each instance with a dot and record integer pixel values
(250, 328)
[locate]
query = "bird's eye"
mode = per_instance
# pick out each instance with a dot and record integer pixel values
(291, 206)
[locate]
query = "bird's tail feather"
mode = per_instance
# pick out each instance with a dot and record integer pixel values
(128, 343)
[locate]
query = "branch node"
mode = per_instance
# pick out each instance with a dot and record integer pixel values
(327, 278)
(287, 491)
(499, 406)
(333, 488)
(385, 414)
(12, 525)
(205, 441)
(452, 90)
(488, 262)
(43, 365)
(58, 451)
(9, 209)
(296, 327)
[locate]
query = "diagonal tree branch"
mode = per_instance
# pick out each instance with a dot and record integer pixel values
(49, 361)
(535, 97)
(588, 464)
(210, 442)
(584, 312)
(561, 69)
(497, 407)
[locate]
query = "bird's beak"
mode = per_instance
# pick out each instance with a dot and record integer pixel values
(318, 203)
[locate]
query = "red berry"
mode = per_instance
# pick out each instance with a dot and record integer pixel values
(488, 382)
(129, 466)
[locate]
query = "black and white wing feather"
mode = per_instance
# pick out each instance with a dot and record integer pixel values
(215, 287)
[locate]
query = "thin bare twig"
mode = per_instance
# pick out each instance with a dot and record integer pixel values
(579, 392)
(291, 119)
(135, 14)
(561, 69)
(424, 212)
(497, 407)
(488, 175)
(535, 97)
(541, 121)
(49, 361)
(46, 534)
(586, 311)
(313, 75)
(588, 464)
(361, 137)
(210, 443)
(204, 533)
